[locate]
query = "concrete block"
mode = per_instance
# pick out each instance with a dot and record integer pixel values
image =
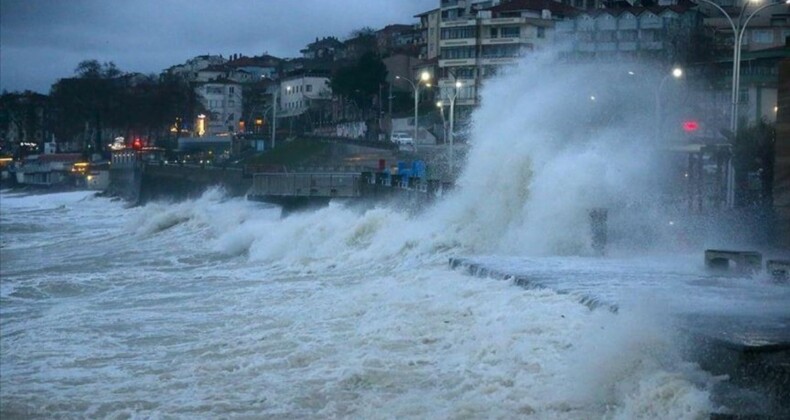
(778, 269)
(745, 262)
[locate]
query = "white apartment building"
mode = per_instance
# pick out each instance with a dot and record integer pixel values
(298, 93)
(223, 102)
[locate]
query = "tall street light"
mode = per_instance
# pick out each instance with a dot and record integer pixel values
(677, 73)
(440, 105)
(290, 117)
(425, 78)
(274, 116)
(738, 29)
(451, 97)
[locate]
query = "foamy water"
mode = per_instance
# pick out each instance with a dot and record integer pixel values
(217, 307)
(154, 317)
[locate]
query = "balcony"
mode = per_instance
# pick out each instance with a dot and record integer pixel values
(449, 83)
(499, 41)
(498, 61)
(459, 42)
(452, 23)
(503, 21)
(456, 62)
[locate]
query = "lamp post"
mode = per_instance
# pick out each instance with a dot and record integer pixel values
(425, 78)
(677, 73)
(274, 116)
(451, 154)
(290, 117)
(440, 105)
(738, 29)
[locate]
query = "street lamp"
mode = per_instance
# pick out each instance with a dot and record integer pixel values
(677, 73)
(440, 105)
(425, 78)
(290, 117)
(274, 116)
(738, 29)
(457, 85)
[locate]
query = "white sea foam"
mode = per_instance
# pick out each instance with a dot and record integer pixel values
(216, 307)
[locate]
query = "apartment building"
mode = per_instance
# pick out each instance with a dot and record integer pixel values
(428, 41)
(300, 93)
(477, 37)
(660, 33)
(222, 100)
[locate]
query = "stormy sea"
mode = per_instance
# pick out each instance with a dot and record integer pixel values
(218, 307)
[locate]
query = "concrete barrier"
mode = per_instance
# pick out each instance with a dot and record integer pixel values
(778, 269)
(746, 262)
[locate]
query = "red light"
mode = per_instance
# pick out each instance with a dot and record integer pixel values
(689, 126)
(137, 144)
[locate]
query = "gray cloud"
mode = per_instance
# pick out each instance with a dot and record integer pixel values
(44, 40)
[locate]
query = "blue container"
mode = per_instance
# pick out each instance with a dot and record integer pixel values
(418, 169)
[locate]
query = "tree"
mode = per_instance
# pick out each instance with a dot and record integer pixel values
(360, 82)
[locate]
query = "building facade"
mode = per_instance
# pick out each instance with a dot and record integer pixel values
(477, 37)
(222, 100)
(300, 93)
(635, 33)
(428, 41)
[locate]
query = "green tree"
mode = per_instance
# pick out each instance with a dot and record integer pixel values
(361, 81)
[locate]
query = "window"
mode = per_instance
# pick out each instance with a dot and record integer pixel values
(628, 36)
(494, 33)
(743, 97)
(604, 36)
(765, 36)
(231, 90)
(465, 72)
(458, 33)
(309, 88)
(500, 51)
(512, 32)
(541, 32)
(458, 52)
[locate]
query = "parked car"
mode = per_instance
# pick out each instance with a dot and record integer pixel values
(402, 139)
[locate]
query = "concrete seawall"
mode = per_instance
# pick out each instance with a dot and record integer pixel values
(180, 182)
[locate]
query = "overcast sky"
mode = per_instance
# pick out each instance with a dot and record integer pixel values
(44, 40)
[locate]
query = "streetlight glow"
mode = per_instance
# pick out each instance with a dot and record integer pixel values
(677, 72)
(425, 76)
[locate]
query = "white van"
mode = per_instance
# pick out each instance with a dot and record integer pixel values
(402, 139)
